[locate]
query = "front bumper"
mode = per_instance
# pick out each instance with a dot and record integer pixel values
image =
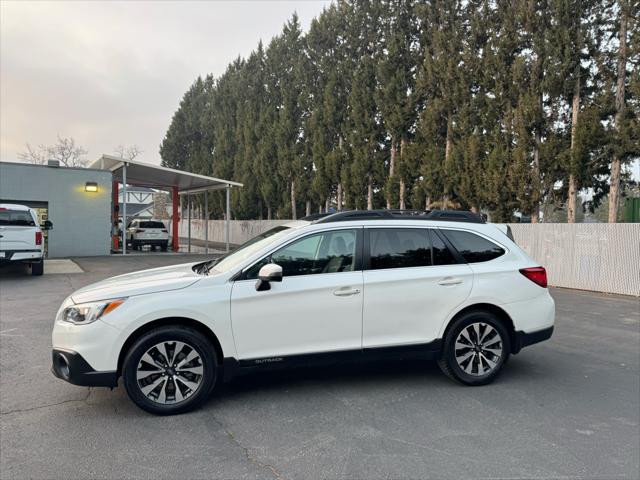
(71, 367)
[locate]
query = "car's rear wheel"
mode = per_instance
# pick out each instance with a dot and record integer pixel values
(37, 268)
(170, 370)
(476, 348)
(164, 246)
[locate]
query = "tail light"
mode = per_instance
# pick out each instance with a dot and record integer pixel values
(140, 230)
(165, 231)
(38, 238)
(537, 275)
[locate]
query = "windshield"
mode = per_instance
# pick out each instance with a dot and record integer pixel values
(246, 250)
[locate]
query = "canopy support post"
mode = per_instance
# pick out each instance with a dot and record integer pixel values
(227, 223)
(175, 225)
(206, 222)
(124, 209)
(189, 225)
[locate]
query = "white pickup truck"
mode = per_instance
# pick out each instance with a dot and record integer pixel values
(21, 237)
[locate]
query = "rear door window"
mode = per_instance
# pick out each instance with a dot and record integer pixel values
(472, 247)
(399, 248)
(441, 253)
(16, 218)
(150, 224)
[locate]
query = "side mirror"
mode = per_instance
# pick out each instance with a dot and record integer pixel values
(47, 225)
(267, 274)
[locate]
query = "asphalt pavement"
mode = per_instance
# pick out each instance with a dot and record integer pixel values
(568, 408)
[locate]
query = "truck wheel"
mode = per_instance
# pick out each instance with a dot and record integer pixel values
(37, 269)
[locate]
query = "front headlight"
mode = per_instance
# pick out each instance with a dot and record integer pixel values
(85, 313)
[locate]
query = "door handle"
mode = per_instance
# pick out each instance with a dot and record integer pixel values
(346, 292)
(448, 281)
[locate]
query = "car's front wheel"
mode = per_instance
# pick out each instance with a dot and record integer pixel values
(475, 348)
(170, 370)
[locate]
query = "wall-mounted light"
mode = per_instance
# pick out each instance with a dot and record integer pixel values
(91, 187)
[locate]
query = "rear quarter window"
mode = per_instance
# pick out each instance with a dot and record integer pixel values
(16, 218)
(472, 247)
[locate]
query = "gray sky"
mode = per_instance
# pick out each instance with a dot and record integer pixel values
(109, 73)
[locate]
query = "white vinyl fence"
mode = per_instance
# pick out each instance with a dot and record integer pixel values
(600, 257)
(239, 230)
(586, 256)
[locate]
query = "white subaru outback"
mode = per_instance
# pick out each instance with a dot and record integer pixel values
(353, 285)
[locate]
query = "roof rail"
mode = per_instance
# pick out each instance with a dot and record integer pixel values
(441, 215)
(315, 216)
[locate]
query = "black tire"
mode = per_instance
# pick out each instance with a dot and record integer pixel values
(135, 245)
(164, 246)
(173, 333)
(37, 268)
(449, 364)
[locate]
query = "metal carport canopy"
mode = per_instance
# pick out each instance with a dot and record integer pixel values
(155, 176)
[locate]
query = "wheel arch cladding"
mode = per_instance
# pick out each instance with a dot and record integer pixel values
(163, 322)
(495, 310)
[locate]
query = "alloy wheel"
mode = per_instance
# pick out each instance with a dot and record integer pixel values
(478, 349)
(170, 372)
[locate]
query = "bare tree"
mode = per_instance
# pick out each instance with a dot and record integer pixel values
(128, 153)
(37, 155)
(68, 153)
(65, 151)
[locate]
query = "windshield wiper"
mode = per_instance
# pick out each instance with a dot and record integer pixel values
(206, 268)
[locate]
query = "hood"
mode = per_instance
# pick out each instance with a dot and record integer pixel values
(154, 280)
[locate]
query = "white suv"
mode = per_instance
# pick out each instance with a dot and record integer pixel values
(21, 237)
(353, 285)
(142, 232)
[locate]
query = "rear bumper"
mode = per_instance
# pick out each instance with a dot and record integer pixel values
(71, 367)
(9, 256)
(150, 241)
(523, 339)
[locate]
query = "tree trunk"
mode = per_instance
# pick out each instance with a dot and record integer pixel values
(571, 201)
(614, 187)
(427, 202)
(392, 169)
(535, 211)
(403, 187)
(573, 190)
(326, 205)
(308, 210)
(545, 205)
(370, 194)
(339, 196)
(269, 212)
(447, 155)
(293, 200)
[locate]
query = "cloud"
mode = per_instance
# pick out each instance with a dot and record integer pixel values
(109, 73)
